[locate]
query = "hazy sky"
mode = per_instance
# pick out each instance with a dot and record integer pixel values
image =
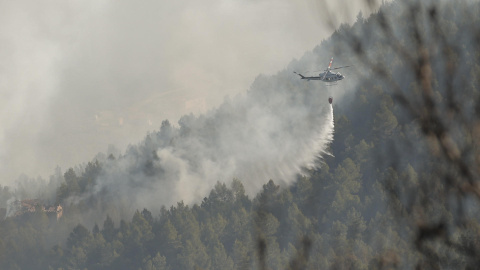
(76, 76)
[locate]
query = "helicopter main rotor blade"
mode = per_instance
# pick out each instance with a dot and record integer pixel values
(339, 67)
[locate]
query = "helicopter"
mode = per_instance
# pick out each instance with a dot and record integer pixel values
(326, 76)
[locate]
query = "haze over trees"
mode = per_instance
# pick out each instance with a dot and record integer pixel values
(400, 189)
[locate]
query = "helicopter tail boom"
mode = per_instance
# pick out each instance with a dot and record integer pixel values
(303, 77)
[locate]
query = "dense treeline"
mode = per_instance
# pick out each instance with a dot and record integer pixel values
(222, 232)
(343, 215)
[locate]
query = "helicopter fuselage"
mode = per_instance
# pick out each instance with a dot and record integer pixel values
(328, 77)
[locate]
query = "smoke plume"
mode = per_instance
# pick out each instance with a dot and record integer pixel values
(274, 131)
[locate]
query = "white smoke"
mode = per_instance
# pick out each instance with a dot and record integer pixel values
(12, 207)
(76, 76)
(276, 130)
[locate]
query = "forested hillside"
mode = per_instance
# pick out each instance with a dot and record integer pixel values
(396, 188)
